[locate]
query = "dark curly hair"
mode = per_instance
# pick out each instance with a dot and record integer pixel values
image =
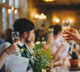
(21, 25)
(57, 29)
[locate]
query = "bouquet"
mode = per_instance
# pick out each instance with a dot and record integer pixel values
(41, 58)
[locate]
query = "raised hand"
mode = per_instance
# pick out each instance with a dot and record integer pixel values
(12, 49)
(73, 35)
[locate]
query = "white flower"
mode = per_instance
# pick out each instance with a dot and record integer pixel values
(33, 45)
(51, 29)
(38, 42)
(42, 38)
(44, 42)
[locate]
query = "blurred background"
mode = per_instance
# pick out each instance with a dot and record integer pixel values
(48, 12)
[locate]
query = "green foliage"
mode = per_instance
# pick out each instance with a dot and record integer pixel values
(74, 55)
(40, 58)
(28, 55)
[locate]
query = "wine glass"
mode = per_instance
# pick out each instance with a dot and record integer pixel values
(65, 26)
(15, 36)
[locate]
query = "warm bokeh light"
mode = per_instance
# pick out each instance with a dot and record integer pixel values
(45, 17)
(48, 0)
(33, 13)
(41, 16)
(36, 16)
(79, 30)
(15, 11)
(72, 21)
(9, 10)
(12, 8)
(57, 20)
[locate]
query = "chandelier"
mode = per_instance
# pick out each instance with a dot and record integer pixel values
(48, 0)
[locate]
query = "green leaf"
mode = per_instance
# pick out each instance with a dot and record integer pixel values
(28, 55)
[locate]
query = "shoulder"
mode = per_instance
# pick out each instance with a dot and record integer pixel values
(4, 46)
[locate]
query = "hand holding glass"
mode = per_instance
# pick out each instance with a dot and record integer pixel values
(66, 26)
(15, 36)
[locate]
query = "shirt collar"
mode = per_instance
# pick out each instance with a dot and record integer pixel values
(20, 43)
(23, 44)
(27, 47)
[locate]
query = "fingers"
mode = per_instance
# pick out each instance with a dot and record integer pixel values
(73, 30)
(13, 48)
(68, 38)
(69, 33)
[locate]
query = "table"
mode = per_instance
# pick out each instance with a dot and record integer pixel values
(64, 69)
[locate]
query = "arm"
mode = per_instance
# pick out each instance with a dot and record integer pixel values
(3, 58)
(56, 55)
(73, 35)
(10, 50)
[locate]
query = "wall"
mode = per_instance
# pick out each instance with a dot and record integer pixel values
(73, 15)
(61, 14)
(27, 10)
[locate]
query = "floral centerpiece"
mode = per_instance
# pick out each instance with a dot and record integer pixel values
(41, 58)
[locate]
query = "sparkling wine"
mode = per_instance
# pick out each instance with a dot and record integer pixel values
(15, 36)
(15, 39)
(65, 26)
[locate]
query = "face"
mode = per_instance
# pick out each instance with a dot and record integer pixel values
(60, 34)
(30, 36)
(50, 38)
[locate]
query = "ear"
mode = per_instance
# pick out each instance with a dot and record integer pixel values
(25, 34)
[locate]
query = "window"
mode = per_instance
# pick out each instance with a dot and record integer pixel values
(4, 1)
(0, 1)
(10, 20)
(4, 18)
(10, 3)
(16, 16)
(16, 13)
(16, 3)
(12, 13)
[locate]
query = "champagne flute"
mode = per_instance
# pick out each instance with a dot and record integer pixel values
(15, 38)
(66, 26)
